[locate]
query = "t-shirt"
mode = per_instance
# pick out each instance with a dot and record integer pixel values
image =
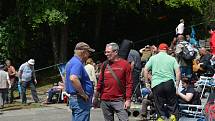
(195, 99)
(76, 67)
(163, 68)
(27, 72)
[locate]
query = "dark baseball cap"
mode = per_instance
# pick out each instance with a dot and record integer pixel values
(83, 46)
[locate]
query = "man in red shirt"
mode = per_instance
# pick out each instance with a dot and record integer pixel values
(212, 39)
(115, 97)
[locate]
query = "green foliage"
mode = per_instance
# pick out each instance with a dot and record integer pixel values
(4, 37)
(196, 4)
(52, 17)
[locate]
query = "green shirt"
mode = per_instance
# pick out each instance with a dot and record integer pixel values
(163, 68)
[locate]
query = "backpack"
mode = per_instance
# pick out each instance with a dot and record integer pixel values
(188, 54)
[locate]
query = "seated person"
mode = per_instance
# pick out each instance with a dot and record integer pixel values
(188, 95)
(205, 63)
(147, 101)
(53, 91)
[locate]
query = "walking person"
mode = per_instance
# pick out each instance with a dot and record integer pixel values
(114, 85)
(12, 75)
(27, 77)
(78, 83)
(4, 85)
(164, 69)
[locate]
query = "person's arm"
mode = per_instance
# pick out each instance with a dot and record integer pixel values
(34, 76)
(20, 72)
(178, 76)
(8, 81)
(77, 85)
(177, 73)
(187, 97)
(146, 73)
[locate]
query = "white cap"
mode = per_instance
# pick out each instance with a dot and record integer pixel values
(31, 61)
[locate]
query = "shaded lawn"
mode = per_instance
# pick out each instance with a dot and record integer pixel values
(16, 105)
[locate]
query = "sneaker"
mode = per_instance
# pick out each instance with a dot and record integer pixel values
(160, 119)
(172, 118)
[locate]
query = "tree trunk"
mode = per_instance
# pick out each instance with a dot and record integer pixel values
(54, 44)
(98, 23)
(63, 43)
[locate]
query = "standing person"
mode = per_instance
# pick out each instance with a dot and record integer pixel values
(4, 85)
(12, 75)
(91, 70)
(78, 83)
(115, 95)
(27, 77)
(163, 67)
(212, 39)
(135, 60)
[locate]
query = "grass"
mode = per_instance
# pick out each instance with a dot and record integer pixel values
(46, 79)
(17, 105)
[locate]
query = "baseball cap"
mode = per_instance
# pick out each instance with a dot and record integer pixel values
(31, 61)
(163, 46)
(83, 46)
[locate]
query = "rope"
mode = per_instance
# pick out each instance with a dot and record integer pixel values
(48, 67)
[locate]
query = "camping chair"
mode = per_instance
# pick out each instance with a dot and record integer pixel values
(196, 111)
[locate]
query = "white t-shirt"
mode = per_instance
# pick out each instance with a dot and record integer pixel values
(180, 28)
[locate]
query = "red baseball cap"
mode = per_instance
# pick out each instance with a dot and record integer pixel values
(163, 46)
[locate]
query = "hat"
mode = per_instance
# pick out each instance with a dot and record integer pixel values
(83, 46)
(1, 66)
(163, 46)
(31, 61)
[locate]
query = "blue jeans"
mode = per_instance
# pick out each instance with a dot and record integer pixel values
(80, 108)
(24, 86)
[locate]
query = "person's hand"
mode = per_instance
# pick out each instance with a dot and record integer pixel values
(85, 97)
(9, 86)
(35, 81)
(177, 91)
(127, 104)
(148, 85)
(95, 102)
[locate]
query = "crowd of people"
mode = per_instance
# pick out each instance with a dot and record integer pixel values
(162, 68)
(114, 84)
(10, 80)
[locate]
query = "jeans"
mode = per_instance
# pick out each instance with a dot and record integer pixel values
(24, 86)
(80, 108)
(3, 93)
(52, 92)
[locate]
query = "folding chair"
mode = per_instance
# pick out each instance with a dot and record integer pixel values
(194, 112)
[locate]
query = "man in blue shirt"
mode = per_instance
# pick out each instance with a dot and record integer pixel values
(78, 84)
(27, 77)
